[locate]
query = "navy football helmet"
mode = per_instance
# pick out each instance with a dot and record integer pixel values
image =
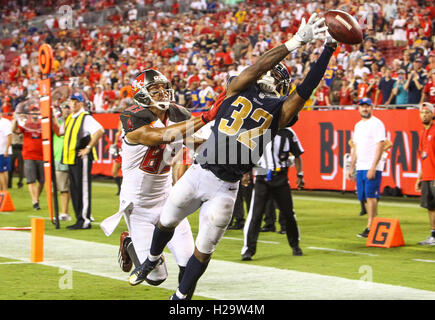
(276, 80)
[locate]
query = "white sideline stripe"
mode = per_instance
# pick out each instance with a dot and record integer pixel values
(222, 280)
(343, 251)
(422, 260)
(15, 262)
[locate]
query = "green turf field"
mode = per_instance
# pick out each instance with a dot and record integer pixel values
(328, 222)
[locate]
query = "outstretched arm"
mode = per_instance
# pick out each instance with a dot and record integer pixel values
(306, 33)
(296, 101)
(150, 136)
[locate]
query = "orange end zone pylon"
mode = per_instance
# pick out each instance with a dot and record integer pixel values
(6, 203)
(37, 240)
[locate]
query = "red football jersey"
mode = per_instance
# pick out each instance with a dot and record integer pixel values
(429, 90)
(427, 153)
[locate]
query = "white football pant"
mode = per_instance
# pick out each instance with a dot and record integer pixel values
(141, 227)
(200, 188)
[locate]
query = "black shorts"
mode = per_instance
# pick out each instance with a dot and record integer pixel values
(34, 171)
(428, 195)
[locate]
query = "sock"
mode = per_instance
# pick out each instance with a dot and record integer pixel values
(433, 233)
(194, 271)
(159, 242)
(312, 80)
(189, 294)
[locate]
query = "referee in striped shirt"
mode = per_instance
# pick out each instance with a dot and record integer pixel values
(272, 181)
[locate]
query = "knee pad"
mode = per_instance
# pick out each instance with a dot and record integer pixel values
(182, 195)
(221, 212)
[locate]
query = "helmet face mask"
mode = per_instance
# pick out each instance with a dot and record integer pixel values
(276, 80)
(152, 88)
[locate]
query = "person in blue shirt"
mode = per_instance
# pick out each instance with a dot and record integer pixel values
(416, 82)
(194, 94)
(385, 87)
(399, 95)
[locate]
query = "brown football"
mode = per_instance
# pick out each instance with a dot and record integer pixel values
(343, 27)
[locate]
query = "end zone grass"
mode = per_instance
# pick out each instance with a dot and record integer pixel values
(328, 222)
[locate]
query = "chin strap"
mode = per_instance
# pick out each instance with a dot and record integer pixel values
(267, 83)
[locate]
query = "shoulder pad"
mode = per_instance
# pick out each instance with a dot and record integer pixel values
(135, 117)
(178, 113)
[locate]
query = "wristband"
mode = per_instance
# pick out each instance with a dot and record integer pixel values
(203, 120)
(88, 147)
(300, 174)
(292, 44)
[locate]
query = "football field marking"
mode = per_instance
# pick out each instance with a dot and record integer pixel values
(355, 201)
(343, 251)
(15, 262)
(262, 241)
(222, 280)
(422, 260)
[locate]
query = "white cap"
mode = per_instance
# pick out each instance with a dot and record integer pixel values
(426, 105)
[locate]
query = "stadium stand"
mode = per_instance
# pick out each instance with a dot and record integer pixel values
(105, 42)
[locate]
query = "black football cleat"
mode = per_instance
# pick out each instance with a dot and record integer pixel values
(140, 273)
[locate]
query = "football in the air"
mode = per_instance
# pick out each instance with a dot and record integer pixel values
(343, 27)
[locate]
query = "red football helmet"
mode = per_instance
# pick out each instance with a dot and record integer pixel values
(143, 90)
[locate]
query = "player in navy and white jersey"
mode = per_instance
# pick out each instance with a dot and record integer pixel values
(247, 122)
(256, 105)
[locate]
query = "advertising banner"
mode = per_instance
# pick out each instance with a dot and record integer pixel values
(324, 136)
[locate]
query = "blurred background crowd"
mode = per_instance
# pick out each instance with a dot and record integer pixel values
(99, 46)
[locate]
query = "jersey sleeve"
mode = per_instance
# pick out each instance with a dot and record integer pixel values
(135, 117)
(178, 113)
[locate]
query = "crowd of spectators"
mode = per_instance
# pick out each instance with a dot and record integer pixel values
(198, 48)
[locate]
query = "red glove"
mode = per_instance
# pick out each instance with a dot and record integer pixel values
(212, 112)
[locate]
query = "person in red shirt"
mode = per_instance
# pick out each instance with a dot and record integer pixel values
(321, 97)
(426, 178)
(94, 74)
(6, 107)
(32, 153)
(429, 90)
(345, 94)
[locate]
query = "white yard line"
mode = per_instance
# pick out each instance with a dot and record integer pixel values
(222, 280)
(355, 201)
(262, 241)
(422, 260)
(343, 251)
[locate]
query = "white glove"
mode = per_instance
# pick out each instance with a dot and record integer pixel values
(307, 32)
(113, 150)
